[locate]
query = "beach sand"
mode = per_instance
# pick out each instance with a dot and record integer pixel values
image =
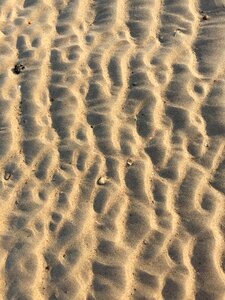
(112, 149)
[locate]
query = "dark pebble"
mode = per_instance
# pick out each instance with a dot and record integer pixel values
(205, 17)
(18, 68)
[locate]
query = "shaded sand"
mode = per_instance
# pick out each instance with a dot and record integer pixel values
(112, 157)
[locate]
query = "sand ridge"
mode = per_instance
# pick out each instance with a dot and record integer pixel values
(112, 157)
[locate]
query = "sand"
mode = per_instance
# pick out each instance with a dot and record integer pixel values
(112, 149)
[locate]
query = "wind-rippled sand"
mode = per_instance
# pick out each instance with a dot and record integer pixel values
(112, 150)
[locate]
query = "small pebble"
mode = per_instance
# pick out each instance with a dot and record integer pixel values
(7, 176)
(102, 180)
(129, 162)
(205, 17)
(18, 68)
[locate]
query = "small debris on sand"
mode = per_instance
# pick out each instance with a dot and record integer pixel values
(129, 162)
(205, 17)
(18, 68)
(102, 180)
(7, 176)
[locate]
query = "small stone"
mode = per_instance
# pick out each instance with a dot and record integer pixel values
(129, 162)
(205, 17)
(18, 68)
(7, 176)
(102, 180)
